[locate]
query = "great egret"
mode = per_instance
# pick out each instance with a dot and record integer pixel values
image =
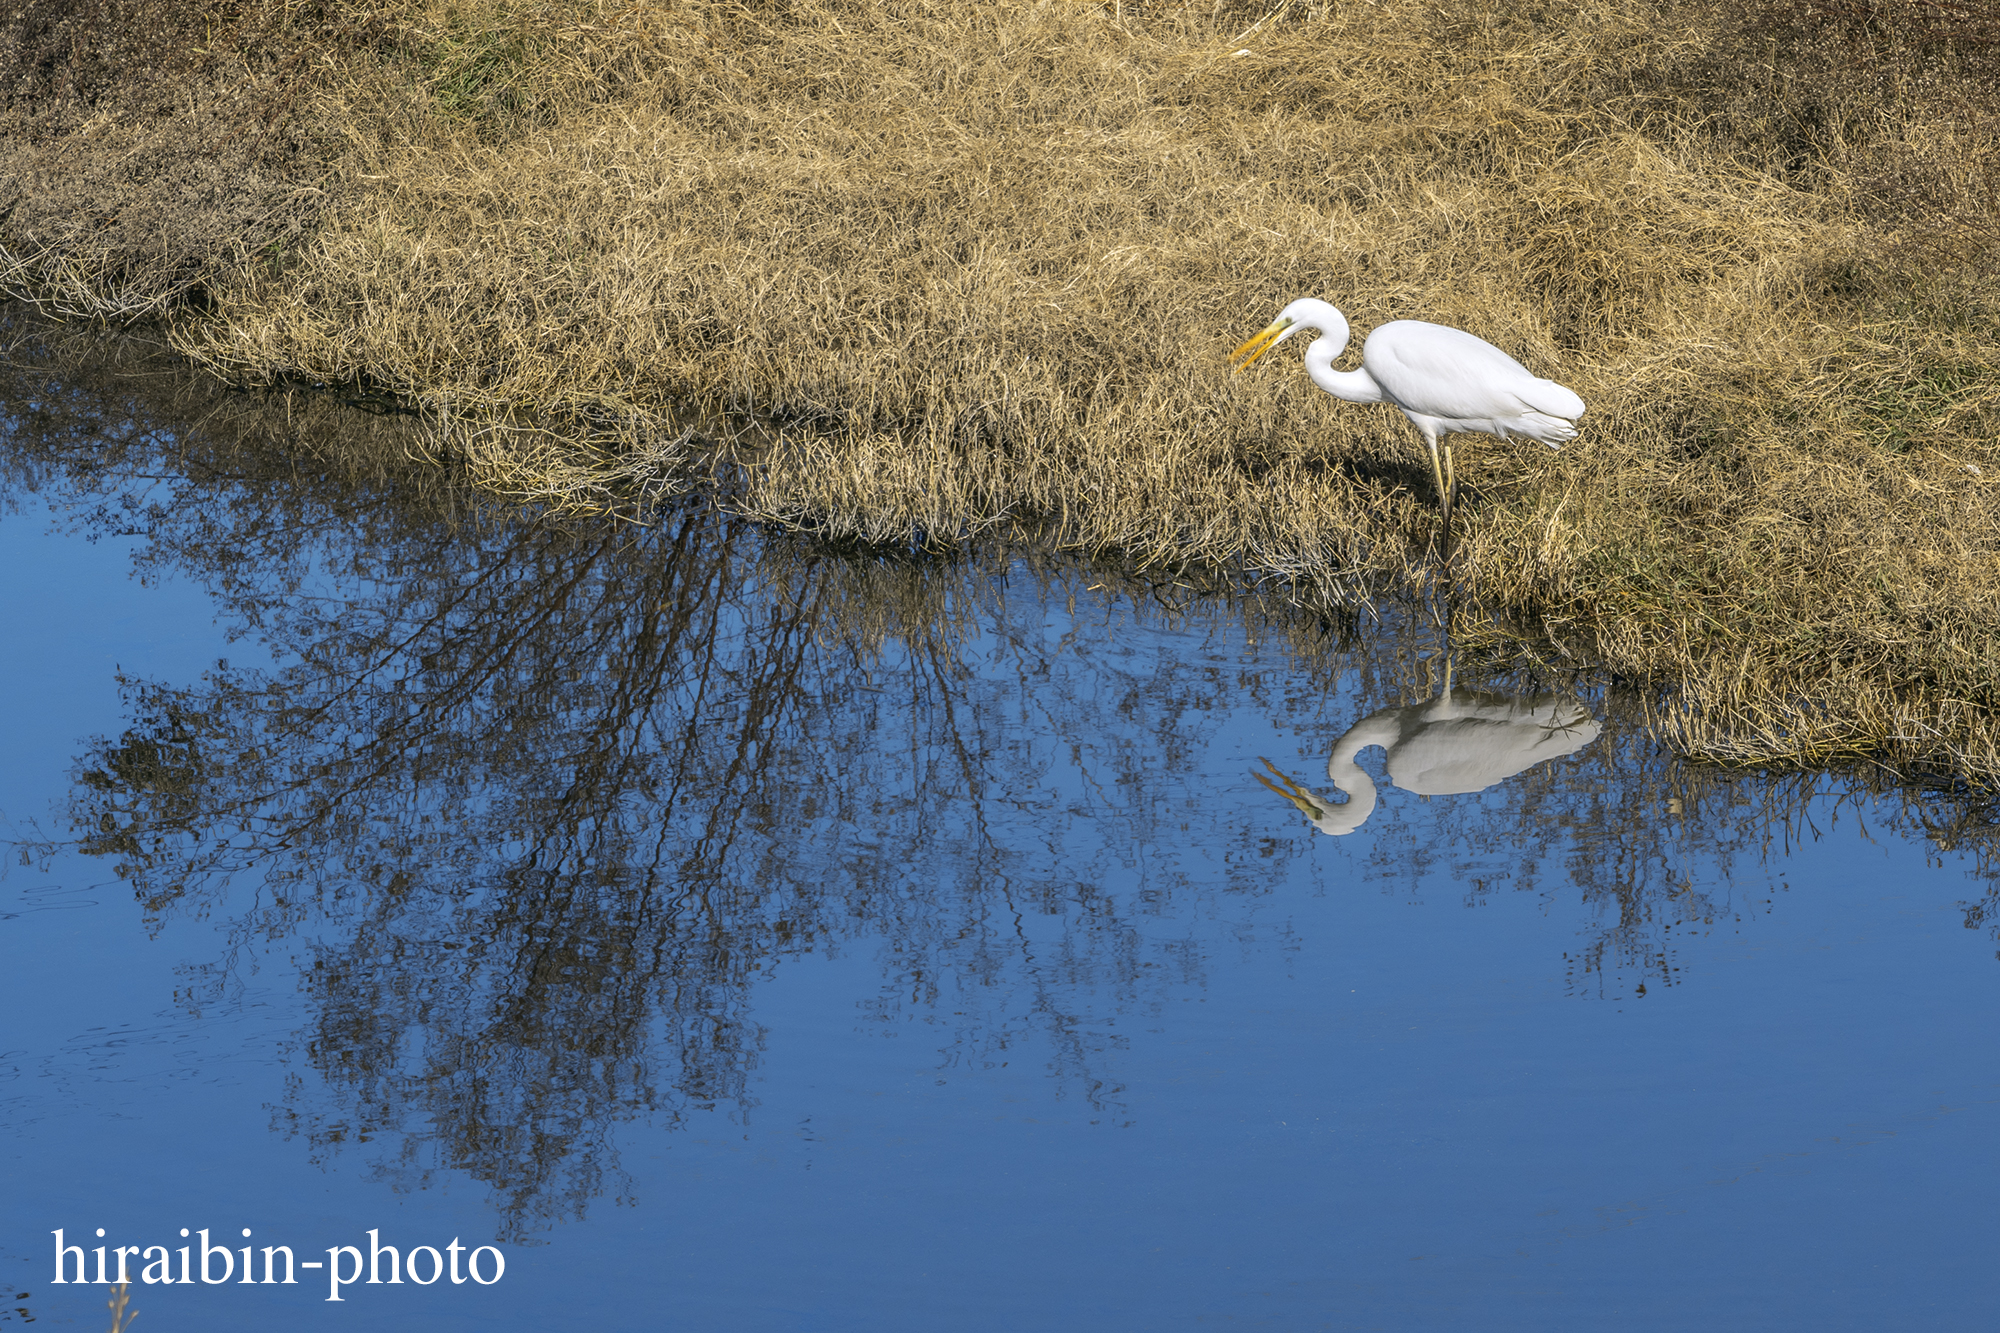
(1444, 379)
(1456, 743)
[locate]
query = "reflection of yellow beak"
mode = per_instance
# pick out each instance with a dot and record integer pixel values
(1290, 790)
(1245, 356)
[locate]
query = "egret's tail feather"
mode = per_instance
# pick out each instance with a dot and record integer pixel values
(1552, 431)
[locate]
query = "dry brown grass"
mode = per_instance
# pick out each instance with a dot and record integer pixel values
(971, 269)
(149, 147)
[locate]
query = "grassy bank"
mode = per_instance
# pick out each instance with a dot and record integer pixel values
(974, 268)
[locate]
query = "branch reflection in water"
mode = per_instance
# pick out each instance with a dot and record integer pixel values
(540, 804)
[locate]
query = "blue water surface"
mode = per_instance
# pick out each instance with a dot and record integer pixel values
(868, 945)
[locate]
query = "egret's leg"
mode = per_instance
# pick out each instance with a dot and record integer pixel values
(1437, 471)
(1443, 535)
(1450, 477)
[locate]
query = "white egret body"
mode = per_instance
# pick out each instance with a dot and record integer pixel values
(1445, 381)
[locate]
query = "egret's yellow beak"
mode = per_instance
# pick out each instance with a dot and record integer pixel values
(1290, 790)
(1243, 357)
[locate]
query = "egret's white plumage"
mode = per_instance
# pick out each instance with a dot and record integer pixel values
(1445, 380)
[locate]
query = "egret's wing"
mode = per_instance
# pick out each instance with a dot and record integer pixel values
(1552, 398)
(1446, 372)
(1465, 754)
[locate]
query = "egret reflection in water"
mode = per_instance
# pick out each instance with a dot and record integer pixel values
(1462, 741)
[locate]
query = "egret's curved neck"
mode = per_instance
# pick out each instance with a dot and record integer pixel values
(1355, 386)
(1347, 775)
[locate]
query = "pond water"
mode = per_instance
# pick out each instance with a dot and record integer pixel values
(724, 934)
